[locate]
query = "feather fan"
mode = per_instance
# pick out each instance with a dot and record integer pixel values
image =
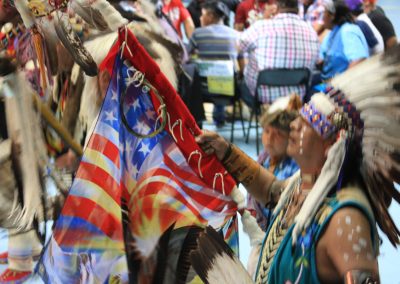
(74, 45)
(89, 15)
(215, 262)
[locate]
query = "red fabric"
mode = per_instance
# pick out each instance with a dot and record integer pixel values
(177, 14)
(176, 109)
(4, 257)
(243, 9)
(14, 277)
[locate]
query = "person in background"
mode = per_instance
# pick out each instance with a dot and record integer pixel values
(178, 15)
(275, 138)
(285, 41)
(312, 11)
(345, 46)
(270, 10)
(371, 33)
(381, 22)
(214, 40)
(194, 9)
(249, 11)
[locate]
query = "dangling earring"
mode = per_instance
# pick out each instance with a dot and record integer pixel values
(301, 141)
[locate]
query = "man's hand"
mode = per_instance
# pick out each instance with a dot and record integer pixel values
(212, 142)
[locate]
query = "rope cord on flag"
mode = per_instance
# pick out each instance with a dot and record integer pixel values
(138, 80)
(219, 175)
(197, 152)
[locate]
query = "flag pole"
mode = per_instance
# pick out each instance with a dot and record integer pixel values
(52, 121)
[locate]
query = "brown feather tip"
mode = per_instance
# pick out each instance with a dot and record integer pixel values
(392, 55)
(210, 246)
(75, 47)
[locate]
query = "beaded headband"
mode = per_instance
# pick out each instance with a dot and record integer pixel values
(320, 122)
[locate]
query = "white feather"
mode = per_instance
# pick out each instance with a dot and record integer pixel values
(279, 104)
(26, 15)
(226, 270)
(75, 73)
(378, 101)
(24, 128)
(323, 104)
(252, 229)
(238, 197)
(379, 134)
(90, 101)
(292, 182)
(146, 246)
(110, 14)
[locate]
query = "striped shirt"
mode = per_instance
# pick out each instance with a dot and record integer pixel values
(215, 42)
(285, 41)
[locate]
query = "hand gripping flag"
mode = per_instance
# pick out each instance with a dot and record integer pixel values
(137, 181)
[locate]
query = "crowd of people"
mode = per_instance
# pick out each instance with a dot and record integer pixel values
(327, 37)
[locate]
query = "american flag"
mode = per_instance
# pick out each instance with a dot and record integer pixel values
(152, 176)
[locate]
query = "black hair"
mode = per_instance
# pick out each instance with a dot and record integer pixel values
(342, 14)
(217, 8)
(288, 4)
(6, 66)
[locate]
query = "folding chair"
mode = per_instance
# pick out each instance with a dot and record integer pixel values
(276, 78)
(219, 86)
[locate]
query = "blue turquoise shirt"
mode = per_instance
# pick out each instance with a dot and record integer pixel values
(344, 44)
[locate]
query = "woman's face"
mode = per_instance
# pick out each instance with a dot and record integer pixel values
(328, 20)
(305, 145)
(275, 141)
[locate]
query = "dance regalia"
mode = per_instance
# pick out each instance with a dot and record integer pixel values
(279, 264)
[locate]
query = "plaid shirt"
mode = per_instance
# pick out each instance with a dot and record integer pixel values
(286, 41)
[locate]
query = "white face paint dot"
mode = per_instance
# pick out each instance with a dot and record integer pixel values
(358, 229)
(356, 248)
(348, 220)
(350, 237)
(339, 232)
(362, 242)
(369, 256)
(346, 257)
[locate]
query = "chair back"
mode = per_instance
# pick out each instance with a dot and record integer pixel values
(283, 77)
(276, 78)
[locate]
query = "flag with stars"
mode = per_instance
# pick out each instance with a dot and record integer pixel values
(155, 183)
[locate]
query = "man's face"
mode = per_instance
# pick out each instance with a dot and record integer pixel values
(304, 141)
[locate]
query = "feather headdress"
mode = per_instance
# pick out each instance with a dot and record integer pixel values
(366, 112)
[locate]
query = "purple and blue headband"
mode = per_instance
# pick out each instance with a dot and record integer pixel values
(320, 122)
